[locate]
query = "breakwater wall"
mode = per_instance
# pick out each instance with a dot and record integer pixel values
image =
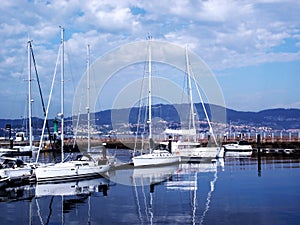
(131, 143)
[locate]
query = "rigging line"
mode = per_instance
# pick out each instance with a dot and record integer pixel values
(184, 109)
(77, 124)
(190, 95)
(145, 121)
(49, 100)
(140, 110)
(18, 91)
(70, 61)
(40, 91)
(205, 111)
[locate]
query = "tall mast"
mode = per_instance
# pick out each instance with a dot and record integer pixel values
(29, 94)
(201, 99)
(190, 94)
(150, 90)
(88, 95)
(62, 92)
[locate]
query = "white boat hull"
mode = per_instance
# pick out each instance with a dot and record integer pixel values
(153, 159)
(191, 150)
(238, 153)
(69, 170)
(14, 173)
(201, 152)
(148, 161)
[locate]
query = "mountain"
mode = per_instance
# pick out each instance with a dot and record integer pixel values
(277, 119)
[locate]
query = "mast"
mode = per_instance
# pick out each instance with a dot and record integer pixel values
(190, 94)
(40, 91)
(88, 96)
(202, 102)
(150, 92)
(62, 92)
(29, 94)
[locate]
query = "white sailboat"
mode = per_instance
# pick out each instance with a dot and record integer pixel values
(155, 156)
(14, 169)
(20, 136)
(83, 166)
(190, 149)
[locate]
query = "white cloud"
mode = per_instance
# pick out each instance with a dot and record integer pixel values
(226, 34)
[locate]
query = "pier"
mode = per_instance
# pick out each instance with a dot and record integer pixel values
(129, 143)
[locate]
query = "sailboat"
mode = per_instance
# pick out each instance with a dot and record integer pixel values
(24, 150)
(155, 156)
(30, 147)
(13, 169)
(190, 150)
(84, 166)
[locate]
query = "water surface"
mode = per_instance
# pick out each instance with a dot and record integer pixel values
(234, 191)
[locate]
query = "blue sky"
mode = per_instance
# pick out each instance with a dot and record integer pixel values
(252, 47)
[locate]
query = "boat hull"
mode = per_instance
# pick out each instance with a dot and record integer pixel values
(154, 160)
(202, 152)
(190, 151)
(238, 153)
(69, 171)
(14, 173)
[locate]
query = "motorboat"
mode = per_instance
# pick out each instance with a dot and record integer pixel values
(241, 148)
(15, 169)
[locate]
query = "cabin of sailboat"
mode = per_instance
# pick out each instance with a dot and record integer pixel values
(14, 169)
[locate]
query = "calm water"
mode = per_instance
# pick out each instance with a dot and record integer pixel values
(230, 192)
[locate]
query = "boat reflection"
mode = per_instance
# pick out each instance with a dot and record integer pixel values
(70, 194)
(74, 188)
(142, 176)
(191, 179)
(79, 187)
(144, 181)
(185, 186)
(153, 175)
(17, 193)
